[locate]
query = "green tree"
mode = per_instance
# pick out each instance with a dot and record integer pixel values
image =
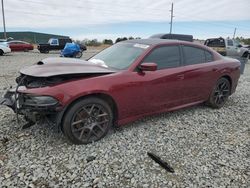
(107, 41)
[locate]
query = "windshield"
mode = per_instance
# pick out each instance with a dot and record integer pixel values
(119, 56)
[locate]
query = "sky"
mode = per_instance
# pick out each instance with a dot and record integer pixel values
(109, 19)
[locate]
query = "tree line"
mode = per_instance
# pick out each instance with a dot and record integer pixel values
(95, 42)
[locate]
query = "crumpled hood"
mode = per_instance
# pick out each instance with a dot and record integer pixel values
(63, 66)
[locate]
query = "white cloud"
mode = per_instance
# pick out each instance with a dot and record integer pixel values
(82, 13)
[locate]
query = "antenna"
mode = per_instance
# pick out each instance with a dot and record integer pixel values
(234, 32)
(171, 22)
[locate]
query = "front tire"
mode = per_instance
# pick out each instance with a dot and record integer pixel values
(1, 52)
(220, 93)
(87, 120)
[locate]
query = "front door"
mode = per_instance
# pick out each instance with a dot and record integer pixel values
(151, 91)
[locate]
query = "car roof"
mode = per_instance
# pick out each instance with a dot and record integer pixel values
(156, 41)
(151, 41)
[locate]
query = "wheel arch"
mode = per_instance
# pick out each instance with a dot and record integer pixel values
(109, 99)
(245, 54)
(230, 81)
(1, 52)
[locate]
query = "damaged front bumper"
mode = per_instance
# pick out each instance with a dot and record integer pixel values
(9, 99)
(33, 107)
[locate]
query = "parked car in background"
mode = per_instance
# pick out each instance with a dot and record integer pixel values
(227, 47)
(53, 44)
(122, 83)
(72, 50)
(4, 49)
(173, 36)
(17, 45)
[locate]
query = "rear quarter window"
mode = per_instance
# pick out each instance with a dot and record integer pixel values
(209, 56)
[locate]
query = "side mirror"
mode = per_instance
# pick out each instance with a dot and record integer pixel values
(239, 46)
(148, 67)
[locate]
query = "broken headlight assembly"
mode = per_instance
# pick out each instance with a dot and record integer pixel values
(38, 101)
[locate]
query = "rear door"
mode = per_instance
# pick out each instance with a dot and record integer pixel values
(198, 75)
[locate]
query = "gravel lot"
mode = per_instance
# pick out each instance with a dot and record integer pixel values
(206, 147)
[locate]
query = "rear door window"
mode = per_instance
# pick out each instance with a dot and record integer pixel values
(193, 55)
(165, 57)
(209, 56)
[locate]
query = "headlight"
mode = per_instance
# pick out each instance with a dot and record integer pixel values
(31, 100)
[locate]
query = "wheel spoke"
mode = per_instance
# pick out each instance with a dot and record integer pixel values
(85, 110)
(100, 127)
(217, 99)
(81, 133)
(217, 91)
(93, 131)
(88, 135)
(105, 121)
(79, 129)
(78, 122)
(102, 115)
(91, 109)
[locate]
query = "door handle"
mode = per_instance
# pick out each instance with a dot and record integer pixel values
(180, 76)
(214, 69)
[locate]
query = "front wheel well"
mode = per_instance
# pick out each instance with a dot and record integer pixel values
(102, 96)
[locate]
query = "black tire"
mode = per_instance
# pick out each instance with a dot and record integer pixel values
(78, 54)
(1, 52)
(88, 120)
(220, 93)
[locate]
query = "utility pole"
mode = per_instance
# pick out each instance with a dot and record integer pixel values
(234, 32)
(172, 11)
(4, 28)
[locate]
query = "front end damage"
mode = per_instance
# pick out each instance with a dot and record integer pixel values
(37, 105)
(34, 108)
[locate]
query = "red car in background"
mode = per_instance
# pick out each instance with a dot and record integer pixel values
(122, 83)
(16, 45)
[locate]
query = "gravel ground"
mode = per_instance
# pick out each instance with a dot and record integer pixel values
(206, 147)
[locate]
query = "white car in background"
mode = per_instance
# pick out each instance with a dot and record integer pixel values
(4, 49)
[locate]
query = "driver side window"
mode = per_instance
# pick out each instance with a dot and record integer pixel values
(165, 57)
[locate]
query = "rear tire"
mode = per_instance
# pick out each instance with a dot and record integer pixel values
(220, 93)
(1, 52)
(87, 120)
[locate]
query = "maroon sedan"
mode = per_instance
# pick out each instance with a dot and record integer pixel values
(20, 46)
(122, 83)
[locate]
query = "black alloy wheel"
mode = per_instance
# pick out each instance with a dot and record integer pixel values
(87, 121)
(220, 93)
